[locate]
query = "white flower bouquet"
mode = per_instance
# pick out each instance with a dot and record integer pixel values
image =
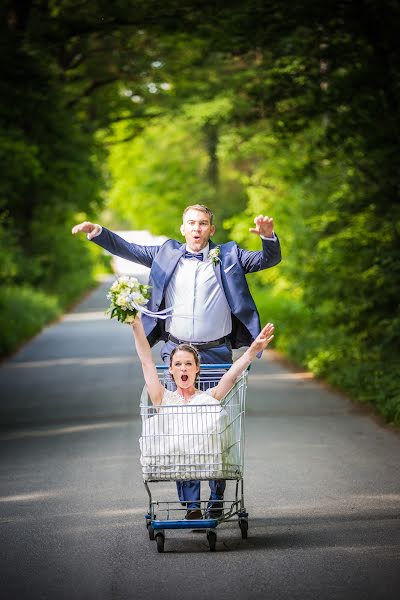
(127, 297)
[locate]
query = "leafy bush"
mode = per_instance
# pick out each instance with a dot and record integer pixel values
(370, 375)
(23, 313)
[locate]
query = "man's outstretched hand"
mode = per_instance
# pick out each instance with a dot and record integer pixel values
(263, 226)
(91, 229)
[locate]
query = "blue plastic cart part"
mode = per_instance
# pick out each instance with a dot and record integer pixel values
(182, 524)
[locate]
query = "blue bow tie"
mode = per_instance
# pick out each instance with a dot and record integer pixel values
(191, 255)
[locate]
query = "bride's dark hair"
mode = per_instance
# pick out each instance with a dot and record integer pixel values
(186, 348)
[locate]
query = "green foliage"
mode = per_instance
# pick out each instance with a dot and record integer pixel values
(156, 176)
(334, 298)
(64, 267)
(164, 170)
(9, 254)
(289, 109)
(49, 172)
(23, 313)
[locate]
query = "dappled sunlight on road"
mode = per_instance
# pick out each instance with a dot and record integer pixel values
(331, 508)
(281, 376)
(85, 316)
(33, 496)
(54, 431)
(119, 512)
(61, 515)
(62, 362)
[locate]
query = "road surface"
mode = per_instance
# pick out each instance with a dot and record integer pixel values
(322, 484)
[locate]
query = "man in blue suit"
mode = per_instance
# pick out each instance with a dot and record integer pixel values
(212, 306)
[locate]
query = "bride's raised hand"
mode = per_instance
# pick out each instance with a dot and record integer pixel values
(137, 322)
(264, 337)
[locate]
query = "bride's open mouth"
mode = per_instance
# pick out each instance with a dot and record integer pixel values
(184, 378)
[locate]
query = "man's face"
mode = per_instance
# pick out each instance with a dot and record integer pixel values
(197, 229)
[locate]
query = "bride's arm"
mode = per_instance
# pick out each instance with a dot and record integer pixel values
(228, 379)
(154, 387)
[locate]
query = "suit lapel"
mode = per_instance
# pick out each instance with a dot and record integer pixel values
(161, 272)
(217, 267)
(173, 260)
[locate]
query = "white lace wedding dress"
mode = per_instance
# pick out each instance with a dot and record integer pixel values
(183, 439)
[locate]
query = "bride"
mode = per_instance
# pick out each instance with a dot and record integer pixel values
(162, 439)
(185, 366)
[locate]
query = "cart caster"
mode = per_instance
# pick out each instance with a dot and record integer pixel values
(244, 526)
(212, 540)
(160, 539)
(151, 532)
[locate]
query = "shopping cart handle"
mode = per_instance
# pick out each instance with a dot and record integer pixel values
(204, 366)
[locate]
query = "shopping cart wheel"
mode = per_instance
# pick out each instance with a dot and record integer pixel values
(151, 532)
(244, 526)
(160, 539)
(212, 540)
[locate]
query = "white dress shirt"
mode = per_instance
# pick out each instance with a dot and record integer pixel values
(201, 312)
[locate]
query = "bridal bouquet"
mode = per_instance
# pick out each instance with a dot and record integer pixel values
(127, 296)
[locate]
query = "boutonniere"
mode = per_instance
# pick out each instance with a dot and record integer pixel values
(213, 255)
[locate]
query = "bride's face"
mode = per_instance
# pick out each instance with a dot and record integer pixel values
(184, 369)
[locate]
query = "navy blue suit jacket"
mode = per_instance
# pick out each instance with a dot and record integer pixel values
(234, 263)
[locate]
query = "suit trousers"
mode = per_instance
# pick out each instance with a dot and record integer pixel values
(189, 491)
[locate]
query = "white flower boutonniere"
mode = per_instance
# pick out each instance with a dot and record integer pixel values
(213, 255)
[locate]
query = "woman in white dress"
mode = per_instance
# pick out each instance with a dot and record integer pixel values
(184, 369)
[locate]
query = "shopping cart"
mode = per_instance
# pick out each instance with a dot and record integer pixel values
(194, 441)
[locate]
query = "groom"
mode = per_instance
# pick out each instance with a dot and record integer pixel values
(206, 283)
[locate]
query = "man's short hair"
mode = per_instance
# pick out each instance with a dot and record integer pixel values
(201, 208)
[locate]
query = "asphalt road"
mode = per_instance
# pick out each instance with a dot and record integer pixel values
(322, 484)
